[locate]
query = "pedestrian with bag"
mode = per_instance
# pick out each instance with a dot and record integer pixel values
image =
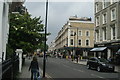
(34, 67)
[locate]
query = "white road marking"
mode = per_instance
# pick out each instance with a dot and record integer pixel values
(41, 73)
(99, 76)
(73, 68)
(78, 70)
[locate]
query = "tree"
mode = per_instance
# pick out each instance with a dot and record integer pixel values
(26, 32)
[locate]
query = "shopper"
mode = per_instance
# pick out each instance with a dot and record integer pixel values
(34, 67)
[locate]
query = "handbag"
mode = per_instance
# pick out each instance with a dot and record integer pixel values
(38, 76)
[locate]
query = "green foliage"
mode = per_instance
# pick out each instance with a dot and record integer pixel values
(26, 33)
(9, 50)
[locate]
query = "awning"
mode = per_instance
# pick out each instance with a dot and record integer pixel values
(118, 52)
(98, 49)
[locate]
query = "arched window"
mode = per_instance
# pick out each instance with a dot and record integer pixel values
(79, 42)
(87, 33)
(87, 42)
(71, 41)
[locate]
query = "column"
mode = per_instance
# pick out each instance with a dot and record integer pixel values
(5, 25)
(1, 14)
(108, 53)
(19, 52)
(94, 54)
(86, 53)
(68, 37)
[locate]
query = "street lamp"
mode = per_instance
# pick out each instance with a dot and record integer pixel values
(45, 47)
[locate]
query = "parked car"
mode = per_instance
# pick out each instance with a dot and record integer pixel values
(100, 64)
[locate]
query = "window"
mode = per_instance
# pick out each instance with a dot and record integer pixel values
(87, 33)
(104, 18)
(71, 41)
(113, 1)
(87, 42)
(79, 42)
(97, 36)
(104, 4)
(71, 33)
(97, 8)
(113, 32)
(113, 14)
(104, 34)
(97, 21)
(80, 33)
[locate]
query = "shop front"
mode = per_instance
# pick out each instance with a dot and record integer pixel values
(110, 50)
(99, 52)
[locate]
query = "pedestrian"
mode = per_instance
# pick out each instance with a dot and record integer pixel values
(77, 55)
(77, 58)
(34, 67)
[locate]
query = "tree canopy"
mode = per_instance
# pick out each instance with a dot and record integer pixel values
(26, 33)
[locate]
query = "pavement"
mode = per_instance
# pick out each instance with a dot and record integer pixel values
(84, 62)
(26, 74)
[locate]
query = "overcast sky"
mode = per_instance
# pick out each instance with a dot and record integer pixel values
(59, 13)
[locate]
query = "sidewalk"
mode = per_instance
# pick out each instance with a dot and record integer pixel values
(84, 62)
(25, 74)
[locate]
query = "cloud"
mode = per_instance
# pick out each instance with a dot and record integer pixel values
(59, 13)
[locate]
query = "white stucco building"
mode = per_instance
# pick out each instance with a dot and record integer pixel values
(4, 24)
(4, 28)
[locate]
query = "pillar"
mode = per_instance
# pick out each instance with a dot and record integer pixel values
(1, 30)
(68, 37)
(84, 53)
(94, 54)
(19, 53)
(108, 53)
(5, 25)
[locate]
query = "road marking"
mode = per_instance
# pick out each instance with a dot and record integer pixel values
(41, 73)
(55, 62)
(78, 70)
(73, 68)
(96, 76)
(99, 76)
(66, 66)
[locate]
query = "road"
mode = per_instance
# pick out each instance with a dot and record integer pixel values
(62, 68)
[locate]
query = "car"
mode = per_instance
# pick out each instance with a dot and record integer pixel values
(100, 64)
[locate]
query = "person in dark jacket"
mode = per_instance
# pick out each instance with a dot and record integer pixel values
(34, 68)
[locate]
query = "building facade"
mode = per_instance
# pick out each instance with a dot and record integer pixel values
(107, 28)
(76, 35)
(4, 25)
(51, 47)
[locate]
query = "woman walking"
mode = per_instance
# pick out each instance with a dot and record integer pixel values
(34, 69)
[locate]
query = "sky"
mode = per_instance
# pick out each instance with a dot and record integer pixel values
(59, 13)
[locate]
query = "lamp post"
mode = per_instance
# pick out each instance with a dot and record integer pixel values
(44, 57)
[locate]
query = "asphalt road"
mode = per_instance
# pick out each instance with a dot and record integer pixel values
(62, 68)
